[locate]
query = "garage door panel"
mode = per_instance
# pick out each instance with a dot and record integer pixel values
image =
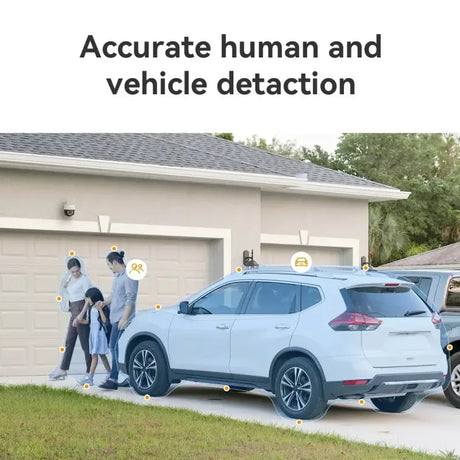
(18, 357)
(31, 326)
(14, 283)
(17, 247)
(13, 321)
(46, 283)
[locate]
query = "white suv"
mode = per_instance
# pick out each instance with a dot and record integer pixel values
(333, 332)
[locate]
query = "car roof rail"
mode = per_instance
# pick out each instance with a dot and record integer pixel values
(323, 271)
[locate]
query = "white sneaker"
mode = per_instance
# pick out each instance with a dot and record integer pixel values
(87, 380)
(83, 380)
(58, 374)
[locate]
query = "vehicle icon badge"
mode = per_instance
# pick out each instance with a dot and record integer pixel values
(301, 262)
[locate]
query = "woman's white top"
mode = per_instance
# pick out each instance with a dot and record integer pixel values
(77, 288)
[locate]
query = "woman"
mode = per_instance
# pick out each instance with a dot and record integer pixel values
(73, 287)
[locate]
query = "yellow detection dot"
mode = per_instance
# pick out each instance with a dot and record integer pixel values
(147, 397)
(71, 253)
(365, 267)
(226, 388)
(114, 248)
(362, 402)
(86, 386)
(450, 347)
(158, 307)
(62, 349)
(299, 422)
(239, 269)
(58, 298)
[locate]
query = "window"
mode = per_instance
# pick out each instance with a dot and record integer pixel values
(453, 293)
(274, 299)
(225, 300)
(385, 302)
(421, 282)
(310, 296)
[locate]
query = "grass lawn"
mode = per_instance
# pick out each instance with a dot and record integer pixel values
(39, 422)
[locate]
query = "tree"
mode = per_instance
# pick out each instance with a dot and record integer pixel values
(228, 136)
(386, 237)
(427, 165)
(288, 148)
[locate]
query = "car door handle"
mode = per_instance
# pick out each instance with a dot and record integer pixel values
(282, 326)
(222, 326)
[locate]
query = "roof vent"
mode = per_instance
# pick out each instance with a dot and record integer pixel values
(303, 175)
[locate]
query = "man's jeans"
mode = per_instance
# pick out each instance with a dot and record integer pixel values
(113, 346)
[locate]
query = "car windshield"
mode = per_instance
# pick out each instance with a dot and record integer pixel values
(193, 296)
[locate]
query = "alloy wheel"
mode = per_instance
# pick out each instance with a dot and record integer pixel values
(455, 380)
(295, 388)
(144, 369)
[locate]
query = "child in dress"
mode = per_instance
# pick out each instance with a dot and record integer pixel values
(98, 318)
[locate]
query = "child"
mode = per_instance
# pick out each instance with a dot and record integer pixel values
(99, 324)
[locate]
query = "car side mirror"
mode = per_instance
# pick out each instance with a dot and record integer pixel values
(184, 307)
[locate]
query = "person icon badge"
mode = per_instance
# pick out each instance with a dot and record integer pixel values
(136, 269)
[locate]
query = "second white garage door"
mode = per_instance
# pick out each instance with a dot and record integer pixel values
(32, 264)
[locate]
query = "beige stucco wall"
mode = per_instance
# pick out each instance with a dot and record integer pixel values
(41, 195)
(321, 216)
(246, 211)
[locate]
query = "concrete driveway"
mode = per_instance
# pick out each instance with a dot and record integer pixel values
(432, 426)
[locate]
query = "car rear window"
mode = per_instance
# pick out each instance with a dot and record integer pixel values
(385, 302)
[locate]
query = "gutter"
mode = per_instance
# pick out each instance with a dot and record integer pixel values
(265, 182)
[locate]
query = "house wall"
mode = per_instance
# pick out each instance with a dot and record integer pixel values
(41, 195)
(324, 219)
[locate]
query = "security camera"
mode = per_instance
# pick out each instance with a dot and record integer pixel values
(69, 209)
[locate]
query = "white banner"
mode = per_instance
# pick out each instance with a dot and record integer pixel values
(335, 66)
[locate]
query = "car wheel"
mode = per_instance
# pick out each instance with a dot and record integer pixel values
(396, 404)
(298, 390)
(148, 371)
(452, 392)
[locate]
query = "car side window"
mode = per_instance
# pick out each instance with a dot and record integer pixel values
(273, 299)
(225, 300)
(453, 293)
(310, 296)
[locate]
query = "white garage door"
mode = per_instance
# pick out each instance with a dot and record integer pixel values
(273, 254)
(32, 264)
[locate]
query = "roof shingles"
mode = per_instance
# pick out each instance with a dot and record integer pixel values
(184, 150)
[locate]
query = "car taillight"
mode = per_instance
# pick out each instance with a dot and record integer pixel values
(349, 321)
(435, 318)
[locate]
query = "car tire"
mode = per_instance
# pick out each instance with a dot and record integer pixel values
(148, 371)
(452, 392)
(299, 391)
(396, 404)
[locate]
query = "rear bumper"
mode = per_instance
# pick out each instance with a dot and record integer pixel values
(386, 385)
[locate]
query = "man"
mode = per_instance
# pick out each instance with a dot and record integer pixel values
(122, 310)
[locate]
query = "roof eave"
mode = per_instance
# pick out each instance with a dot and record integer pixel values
(275, 183)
